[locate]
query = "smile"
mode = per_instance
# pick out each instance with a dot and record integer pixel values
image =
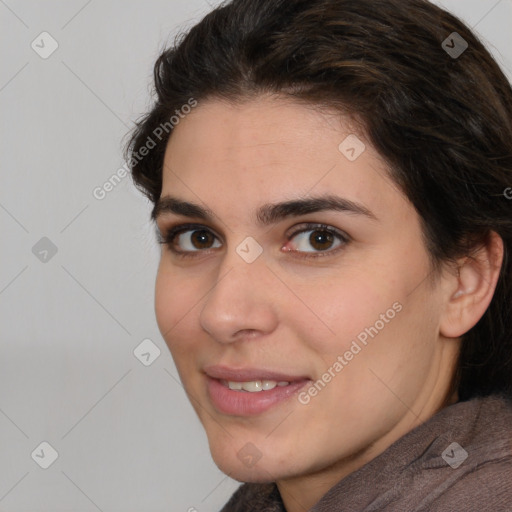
(253, 386)
(250, 398)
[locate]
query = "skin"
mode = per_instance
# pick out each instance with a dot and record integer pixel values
(296, 314)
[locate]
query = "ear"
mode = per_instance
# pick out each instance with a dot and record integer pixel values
(471, 288)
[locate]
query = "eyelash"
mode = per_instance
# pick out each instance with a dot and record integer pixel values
(169, 236)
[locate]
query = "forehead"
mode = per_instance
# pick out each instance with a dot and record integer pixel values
(269, 150)
(273, 129)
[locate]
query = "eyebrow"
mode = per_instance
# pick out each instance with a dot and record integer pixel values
(268, 213)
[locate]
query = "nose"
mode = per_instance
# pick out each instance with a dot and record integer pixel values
(240, 303)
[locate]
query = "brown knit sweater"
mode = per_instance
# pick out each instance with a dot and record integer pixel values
(419, 473)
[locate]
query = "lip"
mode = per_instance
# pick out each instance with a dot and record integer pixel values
(240, 403)
(220, 372)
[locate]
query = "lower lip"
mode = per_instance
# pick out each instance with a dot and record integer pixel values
(243, 403)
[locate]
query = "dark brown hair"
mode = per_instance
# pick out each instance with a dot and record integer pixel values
(442, 122)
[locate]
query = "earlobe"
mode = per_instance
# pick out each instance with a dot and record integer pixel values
(472, 288)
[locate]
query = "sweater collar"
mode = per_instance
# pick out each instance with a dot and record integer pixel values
(384, 478)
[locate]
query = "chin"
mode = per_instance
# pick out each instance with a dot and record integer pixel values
(246, 464)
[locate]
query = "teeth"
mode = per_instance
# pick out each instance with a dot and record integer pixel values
(252, 386)
(268, 384)
(255, 386)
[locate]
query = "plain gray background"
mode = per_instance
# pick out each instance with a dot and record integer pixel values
(126, 437)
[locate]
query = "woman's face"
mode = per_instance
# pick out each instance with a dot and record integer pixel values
(296, 266)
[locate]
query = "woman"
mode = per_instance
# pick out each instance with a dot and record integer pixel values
(335, 286)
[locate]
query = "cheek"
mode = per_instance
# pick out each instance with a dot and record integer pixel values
(372, 320)
(176, 302)
(338, 310)
(387, 345)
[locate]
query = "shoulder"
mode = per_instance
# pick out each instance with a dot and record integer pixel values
(481, 478)
(487, 486)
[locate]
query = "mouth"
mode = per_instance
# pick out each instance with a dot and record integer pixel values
(249, 392)
(253, 386)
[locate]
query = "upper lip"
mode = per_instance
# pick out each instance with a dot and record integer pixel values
(249, 374)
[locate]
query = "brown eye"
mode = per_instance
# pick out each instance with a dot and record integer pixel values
(316, 239)
(202, 239)
(321, 240)
(195, 240)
